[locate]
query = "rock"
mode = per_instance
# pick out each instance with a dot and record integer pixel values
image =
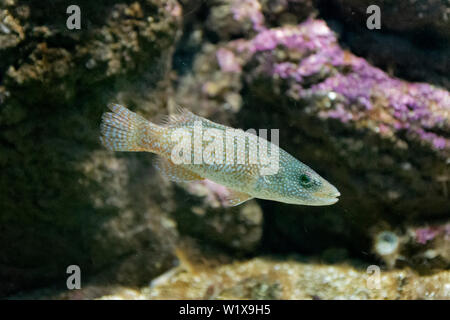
(267, 279)
(65, 200)
(202, 213)
(425, 248)
(414, 47)
(402, 57)
(381, 140)
(201, 276)
(428, 16)
(380, 147)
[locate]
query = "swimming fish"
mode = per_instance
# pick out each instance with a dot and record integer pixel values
(231, 165)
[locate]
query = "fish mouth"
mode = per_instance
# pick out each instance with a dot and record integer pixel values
(327, 197)
(326, 201)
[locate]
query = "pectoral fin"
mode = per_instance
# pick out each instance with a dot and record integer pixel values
(174, 172)
(236, 198)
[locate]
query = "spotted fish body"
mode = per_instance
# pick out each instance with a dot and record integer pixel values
(293, 182)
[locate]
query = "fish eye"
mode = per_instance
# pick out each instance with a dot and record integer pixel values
(305, 180)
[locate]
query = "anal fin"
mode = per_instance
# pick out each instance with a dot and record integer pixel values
(235, 198)
(174, 172)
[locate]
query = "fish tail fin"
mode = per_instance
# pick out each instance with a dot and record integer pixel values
(124, 130)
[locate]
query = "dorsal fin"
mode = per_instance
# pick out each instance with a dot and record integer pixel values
(181, 116)
(184, 117)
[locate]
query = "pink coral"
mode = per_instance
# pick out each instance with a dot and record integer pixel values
(214, 194)
(364, 91)
(227, 61)
(248, 9)
(423, 235)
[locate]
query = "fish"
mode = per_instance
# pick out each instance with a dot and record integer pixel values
(215, 153)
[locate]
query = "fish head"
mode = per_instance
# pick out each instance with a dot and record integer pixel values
(299, 184)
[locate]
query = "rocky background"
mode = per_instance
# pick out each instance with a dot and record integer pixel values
(368, 109)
